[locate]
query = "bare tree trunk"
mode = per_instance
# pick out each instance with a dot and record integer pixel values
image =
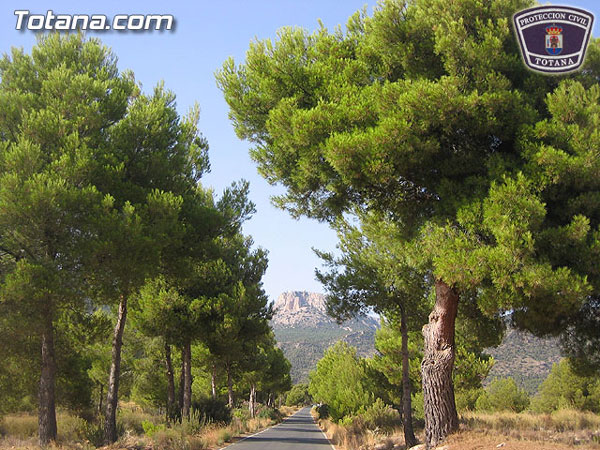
(441, 417)
(181, 382)
(170, 383)
(409, 434)
(47, 405)
(187, 379)
(252, 402)
(229, 387)
(213, 381)
(100, 398)
(112, 398)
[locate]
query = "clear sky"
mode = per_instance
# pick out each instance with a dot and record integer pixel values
(186, 59)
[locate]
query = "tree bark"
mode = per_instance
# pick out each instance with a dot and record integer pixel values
(100, 398)
(252, 402)
(112, 397)
(407, 422)
(181, 382)
(229, 387)
(170, 383)
(187, 379)
(47, 405)
(213, 381)
(441, 417)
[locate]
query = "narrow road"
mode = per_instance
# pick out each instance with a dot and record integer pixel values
(297, 432)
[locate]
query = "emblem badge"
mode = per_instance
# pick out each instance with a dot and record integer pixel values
(553, 39)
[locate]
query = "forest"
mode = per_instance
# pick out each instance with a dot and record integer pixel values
(123, 278)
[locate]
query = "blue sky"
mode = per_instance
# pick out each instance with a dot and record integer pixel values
(186, 59)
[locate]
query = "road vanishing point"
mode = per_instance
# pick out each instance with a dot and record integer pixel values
(297, 432)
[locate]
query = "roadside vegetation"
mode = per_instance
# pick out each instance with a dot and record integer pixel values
(122, 277)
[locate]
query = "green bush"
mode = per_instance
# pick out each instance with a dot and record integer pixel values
(150, 429)
(466, 400)
(565, 389)
(212, 410)
(268, 413)
(241, 413)
(382, 416)
(502, 394)
(322, 411)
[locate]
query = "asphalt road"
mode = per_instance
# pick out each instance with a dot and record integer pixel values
(297, 432)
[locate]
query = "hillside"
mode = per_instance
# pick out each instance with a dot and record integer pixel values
(524, 357)
(304, 331)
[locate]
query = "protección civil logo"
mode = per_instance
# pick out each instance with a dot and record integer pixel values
(553, 39)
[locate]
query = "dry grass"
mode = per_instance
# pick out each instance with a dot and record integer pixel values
(349, 438)
(561, 430)
(471, 440)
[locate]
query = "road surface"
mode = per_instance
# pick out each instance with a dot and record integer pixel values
(297, 432)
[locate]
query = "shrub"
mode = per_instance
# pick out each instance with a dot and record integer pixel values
(268, 413)
(382, 416)
(502, 394)
(150, 429)
(322, 411)
(565, 389)
(467, 399)
(241, 413)
(212, 410)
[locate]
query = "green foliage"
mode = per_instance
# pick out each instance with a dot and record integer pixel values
(502, 394)
(298, 395)
(211, 410)
(150, 428)
(341, 381)
(380, 416)
(565, 389)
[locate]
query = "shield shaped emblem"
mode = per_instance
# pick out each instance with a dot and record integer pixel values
(553, 39)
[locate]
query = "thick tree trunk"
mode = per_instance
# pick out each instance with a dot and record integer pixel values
(112, 397)
(441, 418)
(229, 387)
(170, 383)
(47, 406)
(187, 379)
(409, 434)
(213, 381)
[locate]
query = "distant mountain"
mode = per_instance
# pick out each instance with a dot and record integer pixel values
(526, 358)
(304, 331)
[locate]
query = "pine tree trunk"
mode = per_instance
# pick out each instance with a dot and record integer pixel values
(409, 434)
(213, 381)
(170, 383)
(229, 387)
(47, 406)
(181, 382)
(251, 403)
(112, 397)
(187, 379)
(441, 417)
(100, 398)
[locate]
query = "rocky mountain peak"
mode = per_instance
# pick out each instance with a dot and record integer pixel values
(308, 310)
(295, 301)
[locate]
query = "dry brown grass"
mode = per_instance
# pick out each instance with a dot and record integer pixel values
(561, 430)
(472, 440)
